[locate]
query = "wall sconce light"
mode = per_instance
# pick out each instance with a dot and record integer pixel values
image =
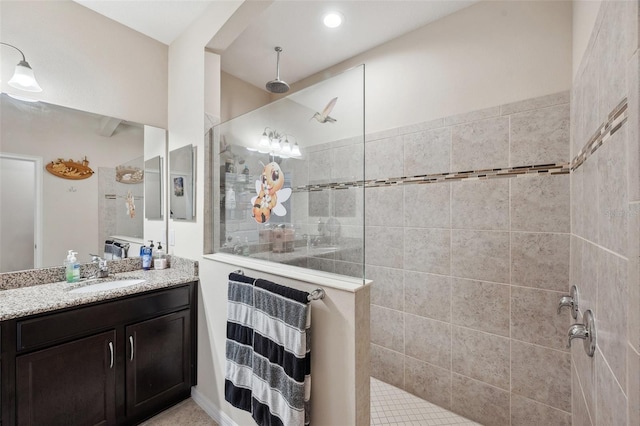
(23, 77)
(277, 144)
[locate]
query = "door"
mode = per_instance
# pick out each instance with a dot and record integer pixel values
(69, 384)
(20, 217)
(158, 362)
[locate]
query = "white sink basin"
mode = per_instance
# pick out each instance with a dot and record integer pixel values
(106, 285)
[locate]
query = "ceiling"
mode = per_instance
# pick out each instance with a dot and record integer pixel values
(296, 26)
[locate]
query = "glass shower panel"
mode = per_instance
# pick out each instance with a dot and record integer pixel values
(290, 178)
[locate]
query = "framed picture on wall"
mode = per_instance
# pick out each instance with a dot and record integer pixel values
(178, 186)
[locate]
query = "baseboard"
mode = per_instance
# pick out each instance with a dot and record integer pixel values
(210, 408)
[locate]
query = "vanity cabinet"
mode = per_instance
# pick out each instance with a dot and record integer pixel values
(115, 362)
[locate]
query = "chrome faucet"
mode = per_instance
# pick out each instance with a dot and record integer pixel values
(103, 268)
(586, 332)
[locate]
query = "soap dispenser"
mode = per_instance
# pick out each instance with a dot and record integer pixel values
(159, 258)
(72, 267)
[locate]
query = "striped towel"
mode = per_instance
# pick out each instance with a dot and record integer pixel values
(281, 383)
(268, 359)
(239, 352)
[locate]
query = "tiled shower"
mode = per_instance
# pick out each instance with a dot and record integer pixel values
(465, 265)
(476, 228)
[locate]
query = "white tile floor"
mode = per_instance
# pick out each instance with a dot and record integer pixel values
(389, 406)
(393, 406)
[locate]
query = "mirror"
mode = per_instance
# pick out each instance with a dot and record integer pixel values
(70, 213)
(153, 188)
(182, 182)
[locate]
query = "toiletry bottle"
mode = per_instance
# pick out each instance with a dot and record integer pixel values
(245, 247)
(72, 271)
(146, 258)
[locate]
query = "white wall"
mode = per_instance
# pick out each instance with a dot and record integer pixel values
(70, 207)
(238, 97)
(85, 61)
(488, 54)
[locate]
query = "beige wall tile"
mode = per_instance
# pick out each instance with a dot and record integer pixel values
(387, 365)
(588, 287)
(611, 319)
(427, 250)
(540, 260)
(611, 402)
(585, 369)
(384, 247)
(612, 193)
(532, 306)
(577, 200)
(319, 164)
(577, 253)
(479, 402)
(428, 340)
(348, 163)
(480, 305)
(384, 206)
(526, 412)
(540, 204)
(536, 103)
(427, 152)
(387, 289)
(480, 145)
(387, 328)
(384, 158)
(481, 356)
(480, 255)
(467, 117)
(427, 295)
(580, 415)
(541, 374)
(633, 386)
(540, 136)
(419, 127)
(633, 147)
(480, 204)
(319, 203)
(613, 54)
(592, 117)
(425, 206)
(633, 306)
(429, 382)
(590, 205)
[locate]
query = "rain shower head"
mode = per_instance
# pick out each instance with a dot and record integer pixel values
(277, 85)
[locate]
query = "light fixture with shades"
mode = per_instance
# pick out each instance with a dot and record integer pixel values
(277, 144)
(23, 77)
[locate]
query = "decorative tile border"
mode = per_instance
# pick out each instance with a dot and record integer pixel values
(614, 122)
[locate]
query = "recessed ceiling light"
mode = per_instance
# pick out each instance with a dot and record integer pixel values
(332, 19)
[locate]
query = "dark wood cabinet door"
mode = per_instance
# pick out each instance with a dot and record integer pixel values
(68, 384)
(158, 362)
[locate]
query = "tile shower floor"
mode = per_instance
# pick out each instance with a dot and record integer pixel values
(389, 406)
(393, 406)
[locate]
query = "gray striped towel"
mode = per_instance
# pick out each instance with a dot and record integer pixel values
(268, 368)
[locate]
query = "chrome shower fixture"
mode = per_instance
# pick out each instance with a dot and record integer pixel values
(277, 85)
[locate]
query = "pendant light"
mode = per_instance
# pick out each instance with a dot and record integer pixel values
(23, 77)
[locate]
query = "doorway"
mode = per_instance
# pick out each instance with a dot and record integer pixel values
(20, 212)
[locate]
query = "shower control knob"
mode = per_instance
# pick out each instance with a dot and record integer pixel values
(571, 301)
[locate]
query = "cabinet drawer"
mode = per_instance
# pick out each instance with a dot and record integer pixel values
(53, 328)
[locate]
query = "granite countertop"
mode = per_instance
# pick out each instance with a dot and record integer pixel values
(35, 299)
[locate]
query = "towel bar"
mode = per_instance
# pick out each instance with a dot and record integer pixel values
(316, 294)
